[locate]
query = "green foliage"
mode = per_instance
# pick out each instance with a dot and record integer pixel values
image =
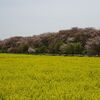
(23, 48)
(55, 46)
(71, 48)
(78, 49)
(42, 49)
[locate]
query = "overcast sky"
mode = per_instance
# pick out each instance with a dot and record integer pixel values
(29, 17)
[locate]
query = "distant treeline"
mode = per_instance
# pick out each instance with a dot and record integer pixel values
(75, 41)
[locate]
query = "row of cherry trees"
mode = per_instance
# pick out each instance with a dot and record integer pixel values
(69, 42)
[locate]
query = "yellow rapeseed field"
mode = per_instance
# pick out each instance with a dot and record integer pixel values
(42, 77)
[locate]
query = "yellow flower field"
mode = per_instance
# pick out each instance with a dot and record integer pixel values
(42, 77)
